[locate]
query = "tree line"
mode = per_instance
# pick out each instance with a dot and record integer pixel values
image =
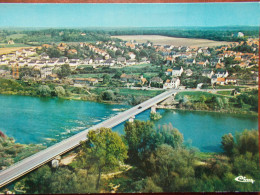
(160, 163)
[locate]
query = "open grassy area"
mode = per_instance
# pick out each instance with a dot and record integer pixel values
(194, 95)
(135, 92)
(164, 40)
(11, 48)
(15, 36)
(224, 92)
(96, 75)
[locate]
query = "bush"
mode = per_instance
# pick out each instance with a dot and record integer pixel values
(44, 90)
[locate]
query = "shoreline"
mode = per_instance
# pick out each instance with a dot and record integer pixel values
(212, 111)
(121, 103)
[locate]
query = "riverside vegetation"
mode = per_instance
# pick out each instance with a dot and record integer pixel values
(160, 163)
(246, 102)
(11, 152)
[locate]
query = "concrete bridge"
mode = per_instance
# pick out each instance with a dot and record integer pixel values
(53, 152)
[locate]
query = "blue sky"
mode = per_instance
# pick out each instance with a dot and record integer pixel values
(129, 15)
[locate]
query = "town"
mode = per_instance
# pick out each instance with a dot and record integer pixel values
(151, 66)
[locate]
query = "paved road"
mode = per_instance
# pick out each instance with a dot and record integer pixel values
(21, 168)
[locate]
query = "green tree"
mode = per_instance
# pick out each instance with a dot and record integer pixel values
(103, 150)
(247, 141)
(62, 181)
(118, 74)
(140, 138)
(173, 169)
(228, 143)
(64, 71)
(106, 78)
(44, 90)
(53, 52)
(60, 91)
(38, 181)
(108, 95)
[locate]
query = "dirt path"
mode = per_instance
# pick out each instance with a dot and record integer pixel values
(68, 159)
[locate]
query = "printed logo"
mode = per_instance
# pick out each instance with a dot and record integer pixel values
(244, 179)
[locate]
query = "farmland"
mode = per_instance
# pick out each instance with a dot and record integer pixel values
(7, 50)
(164, 40)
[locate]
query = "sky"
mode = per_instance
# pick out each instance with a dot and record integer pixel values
(130, 15)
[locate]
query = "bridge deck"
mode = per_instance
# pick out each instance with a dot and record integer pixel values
(28, 164)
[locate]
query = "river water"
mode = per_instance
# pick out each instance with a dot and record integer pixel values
(49, 120)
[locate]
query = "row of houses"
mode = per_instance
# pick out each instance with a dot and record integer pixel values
(172, 83)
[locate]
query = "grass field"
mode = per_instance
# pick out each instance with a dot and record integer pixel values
(16, 36)
(6, 50)
(97, 75)
(135, 92)
(164, 40)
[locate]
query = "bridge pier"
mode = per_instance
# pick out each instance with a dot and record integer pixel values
(131, 119)
(55, 162)
(153, 108)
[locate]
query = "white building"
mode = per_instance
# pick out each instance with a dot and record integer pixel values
(174, 83)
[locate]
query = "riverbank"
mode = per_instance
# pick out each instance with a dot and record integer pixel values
(12, 152)
(250, 113)
(245, 103)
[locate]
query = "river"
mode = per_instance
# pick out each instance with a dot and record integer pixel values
(49, 120)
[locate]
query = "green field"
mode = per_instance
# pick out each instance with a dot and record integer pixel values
(95, 75)
(135, 92)
(15, 36)
(224, 92)
(195, 95)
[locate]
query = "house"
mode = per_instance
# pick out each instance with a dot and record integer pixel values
(188, 72)
(220, 81)
(131, 62)
(10, 42)
(207, 73)
(190, 61)
(72, 52)
(121, 60)
(132, 55)
(177, 71)
(131, 45)
(46, 45)
(132, 78)
(98, 60)
(109, 62)
(45, 71)
(231, 80)
(213, 79)
(156, 80)
(32, 63)
(239, 34)
(84, 81)
(62, 60)
(221, 73)
(88, 61)
(52, 61)
(4, 62)
(73, 63)
(203, 63)
(168, 72)
(174, 83)
(53, 77)
(44, 56)
(220, 65)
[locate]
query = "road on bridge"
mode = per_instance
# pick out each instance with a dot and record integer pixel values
(28, 164)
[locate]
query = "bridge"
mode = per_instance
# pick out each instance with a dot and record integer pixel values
(30, 163)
